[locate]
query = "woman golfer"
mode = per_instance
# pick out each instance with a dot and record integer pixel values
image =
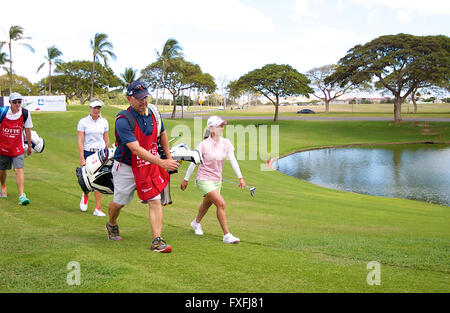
(213, 149)
(92, 136)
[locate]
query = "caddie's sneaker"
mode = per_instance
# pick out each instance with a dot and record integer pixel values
(23, 200)
(159, 245)
(229, 238)
(197, 228)
(113, 232)
(84, 202)
(3, 193)
(98, 212)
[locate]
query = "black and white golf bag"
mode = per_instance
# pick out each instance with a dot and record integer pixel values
(37, 143)
(96, 173)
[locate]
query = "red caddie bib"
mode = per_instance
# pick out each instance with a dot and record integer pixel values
(151, 179)
(11, 137)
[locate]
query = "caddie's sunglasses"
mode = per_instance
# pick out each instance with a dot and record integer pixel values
(17, 101)
(137, 88)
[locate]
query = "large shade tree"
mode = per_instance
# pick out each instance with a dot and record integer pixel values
(180, 75)
(73, 79)
(399, 64)
(52, 58)
(275, 81)
(15, 35)
(101, 50)
(324, 90)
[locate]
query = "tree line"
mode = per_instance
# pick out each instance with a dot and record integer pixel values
(401, 65)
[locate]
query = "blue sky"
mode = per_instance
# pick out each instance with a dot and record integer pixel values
(226, 38)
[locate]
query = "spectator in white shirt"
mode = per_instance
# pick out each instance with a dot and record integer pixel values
(92, 136)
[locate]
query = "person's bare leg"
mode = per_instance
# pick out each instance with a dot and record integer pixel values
(216, 198)
(203, 209)
(98, 199)
(3, 174)
(113, 212)
(155, 214)
(20, 180)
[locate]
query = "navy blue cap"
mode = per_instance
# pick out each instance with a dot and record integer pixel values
(138, 90)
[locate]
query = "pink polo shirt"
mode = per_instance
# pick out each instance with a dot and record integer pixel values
(214, 154)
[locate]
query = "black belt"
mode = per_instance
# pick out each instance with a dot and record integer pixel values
(92, 150)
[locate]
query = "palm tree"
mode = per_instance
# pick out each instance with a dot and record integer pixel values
(128, 75)
(170, 51)
(101, 49)
(3, 59)
(15, 34)
(52, 58)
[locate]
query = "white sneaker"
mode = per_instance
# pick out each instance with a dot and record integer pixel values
(83, 203)
(98, 212)
(229, 238)
(197, 228)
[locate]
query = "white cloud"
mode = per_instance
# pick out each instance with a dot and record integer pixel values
(230, 15)
(405, 10)
(323, 45)
(306, 8)
(136, 28)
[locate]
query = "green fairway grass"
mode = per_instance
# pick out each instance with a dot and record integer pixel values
(295, 236)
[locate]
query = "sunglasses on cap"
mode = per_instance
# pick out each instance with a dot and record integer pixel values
(16, 101)
(136, 88)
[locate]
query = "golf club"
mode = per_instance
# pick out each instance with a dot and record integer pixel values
(174, 138)
(252, 189)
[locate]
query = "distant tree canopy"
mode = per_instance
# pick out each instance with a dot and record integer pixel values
(20, 84)
(73, 79)
(327, 90)
(179, 75)
(397, 63)
(274, 81)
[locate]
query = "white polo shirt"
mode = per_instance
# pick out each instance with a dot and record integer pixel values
(93, 132)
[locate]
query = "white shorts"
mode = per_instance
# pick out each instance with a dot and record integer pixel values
(124, 183)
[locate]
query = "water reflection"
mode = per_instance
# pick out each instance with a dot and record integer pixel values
(418, 172)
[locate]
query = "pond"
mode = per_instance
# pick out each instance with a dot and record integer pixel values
(418, 171)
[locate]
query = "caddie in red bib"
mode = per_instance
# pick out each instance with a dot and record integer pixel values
(14, 122)
(150, 178)
(11, 137)
(137, 165)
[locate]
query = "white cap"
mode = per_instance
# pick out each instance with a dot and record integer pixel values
(95, 103)
(14, 96)
(215, 121)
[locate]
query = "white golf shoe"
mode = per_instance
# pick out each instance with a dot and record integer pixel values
(98, 212)
(229, 238)
(83, 203)
(197, 228)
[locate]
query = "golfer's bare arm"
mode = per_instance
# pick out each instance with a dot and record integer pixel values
(81, 147)
(168, 164)
(106, 139)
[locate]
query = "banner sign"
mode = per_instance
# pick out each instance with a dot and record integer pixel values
(40, 103)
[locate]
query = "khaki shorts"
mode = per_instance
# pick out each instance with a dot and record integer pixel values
(6, 161)
(206, 186)
(124, 183)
